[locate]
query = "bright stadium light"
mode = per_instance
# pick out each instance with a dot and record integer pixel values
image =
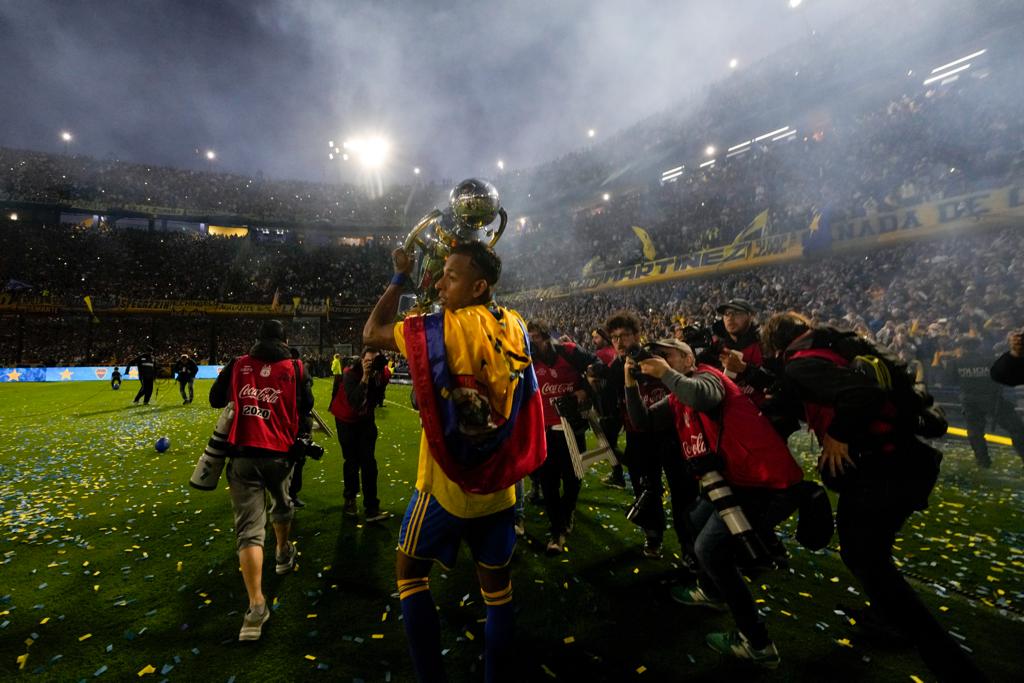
(710, 151)
(66, 136)
(501, 165)
(591, 133)
(13, 216)
(372, 152)
(733, 63)
(330, 143)
(330, 155)
(793, 4)
(416, 170)
(606, 196)
(210, 155)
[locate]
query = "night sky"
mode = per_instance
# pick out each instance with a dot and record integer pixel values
(454, 86)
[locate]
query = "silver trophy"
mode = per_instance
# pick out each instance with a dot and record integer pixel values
(472, 207)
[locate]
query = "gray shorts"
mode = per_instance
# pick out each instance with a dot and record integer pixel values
(249, 480)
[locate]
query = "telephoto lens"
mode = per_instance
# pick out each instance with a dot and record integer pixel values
(728, 507)
(211, 462)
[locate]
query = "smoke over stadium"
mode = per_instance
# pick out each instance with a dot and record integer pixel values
(651, 306)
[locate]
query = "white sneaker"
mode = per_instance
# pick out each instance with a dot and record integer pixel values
(252, 623)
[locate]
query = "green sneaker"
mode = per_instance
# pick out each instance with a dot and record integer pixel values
(696, 597)
(735, 644)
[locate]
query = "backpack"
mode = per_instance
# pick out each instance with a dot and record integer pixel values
(914, 405)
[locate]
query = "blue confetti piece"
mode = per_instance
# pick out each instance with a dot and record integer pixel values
(166, 669)
(100, 671)
(110, 647)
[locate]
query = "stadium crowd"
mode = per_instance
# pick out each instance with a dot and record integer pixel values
(919, 299)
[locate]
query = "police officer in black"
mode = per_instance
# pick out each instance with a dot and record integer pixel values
(185, 370)
(147, 374)
(982, 399)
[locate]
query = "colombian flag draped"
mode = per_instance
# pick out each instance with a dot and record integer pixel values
(477, 392)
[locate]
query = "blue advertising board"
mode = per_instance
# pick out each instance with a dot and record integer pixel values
(84, 374)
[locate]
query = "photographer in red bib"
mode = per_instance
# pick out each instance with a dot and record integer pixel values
(723, 432)
(273, 399)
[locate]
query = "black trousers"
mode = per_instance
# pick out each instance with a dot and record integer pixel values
(870, 514)
(182, 383)
(296, 483)
(358, 441)
(146, 390)
(558, 480)
(976, 414)
(647, 456)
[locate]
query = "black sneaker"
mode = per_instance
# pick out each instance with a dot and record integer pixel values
(298, 503)
(350, 509)
(378, 515)
(652, 549)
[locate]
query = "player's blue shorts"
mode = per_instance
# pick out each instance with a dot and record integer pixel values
(429, 532)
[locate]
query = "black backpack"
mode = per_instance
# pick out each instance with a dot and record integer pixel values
(914, 405)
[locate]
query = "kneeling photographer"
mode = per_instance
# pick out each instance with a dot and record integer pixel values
(273, 399)
(355, 397)
(746, 473)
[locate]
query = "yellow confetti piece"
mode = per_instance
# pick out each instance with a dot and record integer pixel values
(87, 636)
(788, 614)
(640, 669)
(805, 595)
(834, 579)
(569, 640)
(377, 636)
(943, 608)
(384, 617)
(146, 670)
(22, 660)
(311, 658)
(28, 643)
(845, 642)
(549, 672)
(96, 588)
(44, 620)
(179, 565)
(311, 616)
(470, 635)
(915, 679)
(636, 570)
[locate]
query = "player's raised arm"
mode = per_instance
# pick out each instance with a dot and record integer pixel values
(379, 330)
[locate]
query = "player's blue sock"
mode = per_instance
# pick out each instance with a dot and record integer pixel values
(422, 628)
(498, 632)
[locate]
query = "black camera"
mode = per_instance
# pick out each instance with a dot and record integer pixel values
(568, 406)
(305, 448)
(639, 353)
(380, 361)
(702, 340)
(597, 370)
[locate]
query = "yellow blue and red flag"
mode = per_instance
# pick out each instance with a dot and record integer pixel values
(478, 396)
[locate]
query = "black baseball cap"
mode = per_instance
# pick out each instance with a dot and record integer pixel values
(741, 305)
(272, 330)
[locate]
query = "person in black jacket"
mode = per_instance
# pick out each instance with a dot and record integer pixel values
(561, 369)
(647, 453)
(300, 457)
(1009, 368)
(147, 375)
(738, 341)
(968, 369)
(881, 469)
(353, 405)
(273, 400)
(185, 370)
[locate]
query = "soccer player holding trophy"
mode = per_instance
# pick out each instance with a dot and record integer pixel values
(482, 416)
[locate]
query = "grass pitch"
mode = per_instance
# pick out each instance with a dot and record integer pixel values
(111, 567)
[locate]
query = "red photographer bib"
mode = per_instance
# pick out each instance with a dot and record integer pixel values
(266, 412)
